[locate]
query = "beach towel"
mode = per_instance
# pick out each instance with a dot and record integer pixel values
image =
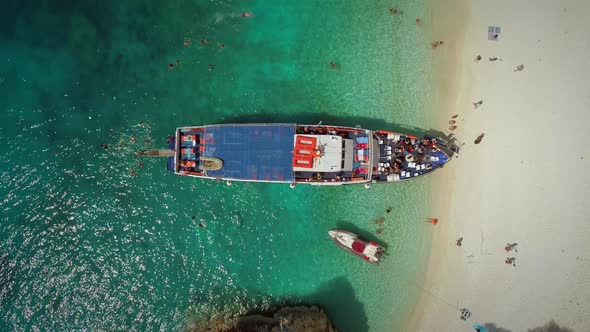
(494, 31)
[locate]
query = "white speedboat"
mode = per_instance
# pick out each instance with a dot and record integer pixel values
(368, 250)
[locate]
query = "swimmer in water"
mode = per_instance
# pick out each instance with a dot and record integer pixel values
(247, 14)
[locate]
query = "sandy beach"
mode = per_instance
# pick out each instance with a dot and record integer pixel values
(527, 182)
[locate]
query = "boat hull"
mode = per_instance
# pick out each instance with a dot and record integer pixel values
(368, 251)
(301, 154)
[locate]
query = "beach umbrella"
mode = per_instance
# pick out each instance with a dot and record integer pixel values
(480, 328)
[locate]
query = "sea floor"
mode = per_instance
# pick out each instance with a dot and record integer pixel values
(94, 238)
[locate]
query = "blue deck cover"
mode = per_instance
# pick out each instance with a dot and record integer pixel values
(252, 152)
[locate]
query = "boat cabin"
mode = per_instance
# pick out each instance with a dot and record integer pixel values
(328, 154)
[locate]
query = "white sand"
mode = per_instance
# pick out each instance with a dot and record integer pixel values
(527, 182)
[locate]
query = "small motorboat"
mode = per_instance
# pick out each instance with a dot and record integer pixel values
(211, 164)
(367, 250)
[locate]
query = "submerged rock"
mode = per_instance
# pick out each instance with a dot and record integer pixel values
(292, 319)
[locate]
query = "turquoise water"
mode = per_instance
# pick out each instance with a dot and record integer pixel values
(85, 244)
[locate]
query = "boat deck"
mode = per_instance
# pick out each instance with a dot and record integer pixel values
(361, 149)
(290, 153)
(248, 152)
(403, 156)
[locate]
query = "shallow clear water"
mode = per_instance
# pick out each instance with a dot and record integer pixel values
(84, 244)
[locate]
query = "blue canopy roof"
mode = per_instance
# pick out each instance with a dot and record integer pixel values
(252, 152)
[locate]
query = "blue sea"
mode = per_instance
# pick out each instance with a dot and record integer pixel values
(97, 239)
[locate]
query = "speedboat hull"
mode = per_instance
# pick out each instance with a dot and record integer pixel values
(367, 250)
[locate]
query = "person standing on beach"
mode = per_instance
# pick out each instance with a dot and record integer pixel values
(511, 246)
(433, 221)
(437, 43)
(477, 58)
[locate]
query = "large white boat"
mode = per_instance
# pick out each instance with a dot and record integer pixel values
(303, 154)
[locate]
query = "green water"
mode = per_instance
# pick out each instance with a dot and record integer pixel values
(86, 245)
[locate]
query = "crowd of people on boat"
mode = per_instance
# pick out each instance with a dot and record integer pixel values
(405, 151)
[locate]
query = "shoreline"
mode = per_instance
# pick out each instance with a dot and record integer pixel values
(447, 94)
(495, 193)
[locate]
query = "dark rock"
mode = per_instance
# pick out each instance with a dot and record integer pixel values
(292, 319)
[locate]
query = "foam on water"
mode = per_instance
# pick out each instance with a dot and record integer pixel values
(85, 244)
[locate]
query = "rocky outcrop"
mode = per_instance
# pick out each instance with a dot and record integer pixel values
(291, 319)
